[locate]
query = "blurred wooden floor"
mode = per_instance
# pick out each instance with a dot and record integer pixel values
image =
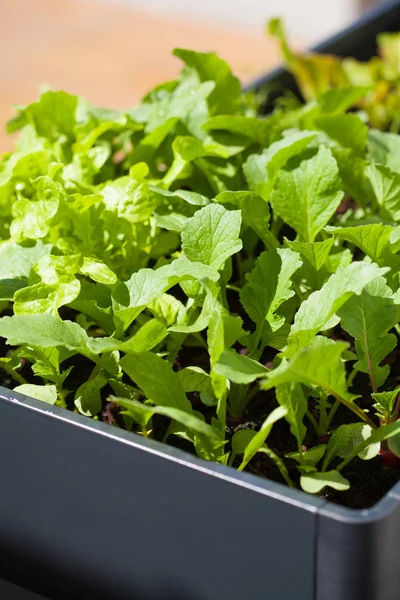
(110, 54)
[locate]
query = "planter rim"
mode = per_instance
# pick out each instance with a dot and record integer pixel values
(272, 489)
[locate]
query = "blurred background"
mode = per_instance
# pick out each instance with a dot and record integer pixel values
(113, 51)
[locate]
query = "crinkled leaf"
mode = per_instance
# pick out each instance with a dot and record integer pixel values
(212, 235)
(46, 298)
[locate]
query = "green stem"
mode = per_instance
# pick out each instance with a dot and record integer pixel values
(249, 397)
(276, 226)
(332, 413)
(221, 411)
(349, 458)
(397, 408)
(239, 266)
(256, 352)
(279, 463)
(323, 416)
(297, 289)
(270, 241)
(355, 409)
(351, 377)
(16, 376)
(235, 288)
(313, 422)
(61, 397)
(94, 372)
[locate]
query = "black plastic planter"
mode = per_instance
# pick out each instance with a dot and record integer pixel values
(90, 511)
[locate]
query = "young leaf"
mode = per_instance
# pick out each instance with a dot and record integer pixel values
(315, 312)
(389, 432)
(269, 285)
(138, 411)
(33, 217)
(368, 318)
(348, 130)
(307, 194)
(157, 380)
(226, 95)
(212, 235)
(240, 441)
(54, 115)
(384, 148)
(16, 261)
(386, 186)
(314, 253)
(255, 129)
(346, 438)
(291, 396)
(255, 213)
(259, 439)
(147, 285)
(337, 100)
(314, 483)
(309, 458)
(195, 379)
(319, 365)
(261, 169)
(45, 393)
(384, 404)
(223, 331)
(238, 368)
(373, 240)
(98, 271)
(43, 330)
(44, 298)
(87, 397)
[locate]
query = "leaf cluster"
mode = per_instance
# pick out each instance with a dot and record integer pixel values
(191, 262)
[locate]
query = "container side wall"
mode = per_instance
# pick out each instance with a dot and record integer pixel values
(107, 520)
(357, 558)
